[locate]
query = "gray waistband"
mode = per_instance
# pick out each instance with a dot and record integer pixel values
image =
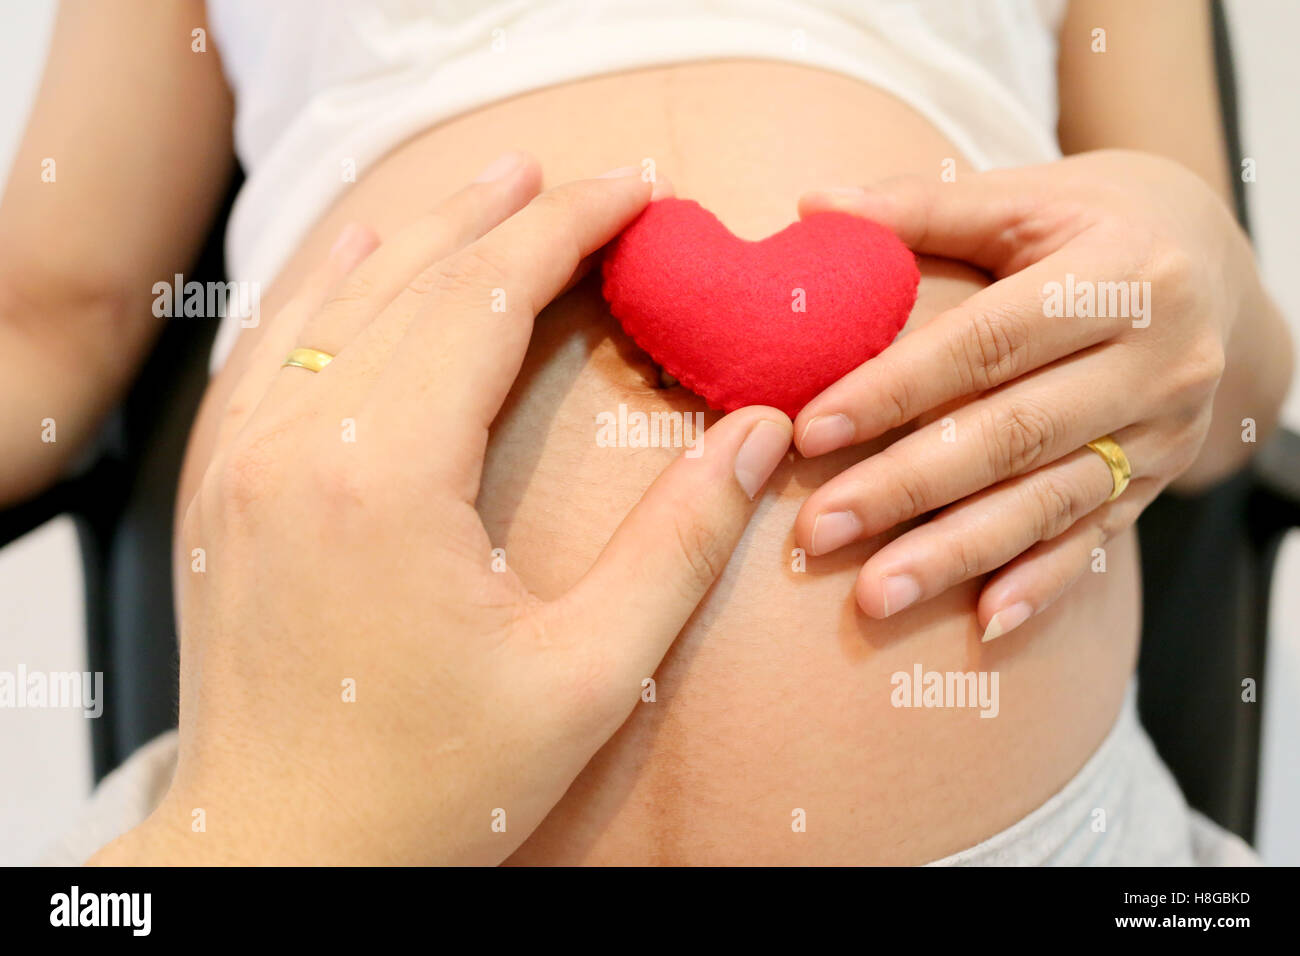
(1122, 808)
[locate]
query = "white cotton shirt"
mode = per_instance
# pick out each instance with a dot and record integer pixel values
(318, 82)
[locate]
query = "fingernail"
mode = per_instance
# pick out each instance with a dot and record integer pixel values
(663, 189)
(621, 172)
(899, 591)
(760, 453)
(826, 433)
(346, 237)
(353, 244)
(1007, 619)
(834, 530)
(501, 167)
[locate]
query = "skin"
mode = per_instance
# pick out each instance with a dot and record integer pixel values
(1015, 491)
(140, 166)
(283, 477)
(777, 693)
(706, 776)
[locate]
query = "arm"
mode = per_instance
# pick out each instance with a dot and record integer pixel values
(138, 129)
(1159, 64)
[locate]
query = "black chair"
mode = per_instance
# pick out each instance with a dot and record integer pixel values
(1207, 563)
(1207, 569)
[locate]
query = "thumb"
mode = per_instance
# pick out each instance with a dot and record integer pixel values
(978, 219)
(674, 544)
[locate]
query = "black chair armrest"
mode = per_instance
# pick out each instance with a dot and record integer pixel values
(1277, 478)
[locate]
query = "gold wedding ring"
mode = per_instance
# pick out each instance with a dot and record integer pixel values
(1120, 470)
(313, 360)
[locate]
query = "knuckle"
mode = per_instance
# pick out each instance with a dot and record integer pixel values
(596, 694)
(579, 665)
(344, 484)
(966, 558)
(1113, 520)
(1196, 377)
(703, 553)
(246, 476)
(431, 280)
(587, 675)
(1178, 283)
(992, 349)
(911, 192)
(1171, 267)
(1096, 539)
(1208, 363)
(438, 232)
(239, 407)
(1055, 504)
(356, 289)
(474, 270)
(1145, 249)
(915, 493)
(552, 203)
(1186, 453)
(1186, 445)
(1020, 435)
(898, 400)
(560, 209)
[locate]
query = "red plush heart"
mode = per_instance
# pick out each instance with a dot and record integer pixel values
(722, 315)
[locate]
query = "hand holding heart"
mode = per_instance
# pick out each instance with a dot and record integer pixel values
(360, 680)
(758, 323)
(1015, 490)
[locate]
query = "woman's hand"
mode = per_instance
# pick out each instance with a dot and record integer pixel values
(1016, 380)
(362, 679)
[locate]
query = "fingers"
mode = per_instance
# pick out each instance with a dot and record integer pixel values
(353, 245)
(1029, 584)
(985, 531)
(499, 192)
(675, 543)
(1000, 220)
(663, 189)
(471, 316)
(329, 314)
(997, 335)
(1011, 431)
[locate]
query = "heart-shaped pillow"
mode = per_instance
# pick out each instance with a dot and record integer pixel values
(758, 323)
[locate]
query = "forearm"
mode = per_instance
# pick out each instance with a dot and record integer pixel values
(125, 157)
(62, 366)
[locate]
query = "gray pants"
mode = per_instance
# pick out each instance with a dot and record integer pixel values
(1122, 809)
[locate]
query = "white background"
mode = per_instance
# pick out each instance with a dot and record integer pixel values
(45, 754)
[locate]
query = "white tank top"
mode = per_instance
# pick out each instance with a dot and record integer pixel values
(318, 82)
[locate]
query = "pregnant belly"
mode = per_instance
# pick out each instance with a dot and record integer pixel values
(773, 735)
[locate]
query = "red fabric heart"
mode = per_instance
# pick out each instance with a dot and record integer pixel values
(720, 314)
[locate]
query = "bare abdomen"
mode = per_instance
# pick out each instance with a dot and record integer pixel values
(776, 699)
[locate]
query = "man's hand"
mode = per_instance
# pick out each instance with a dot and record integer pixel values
(362, 679)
